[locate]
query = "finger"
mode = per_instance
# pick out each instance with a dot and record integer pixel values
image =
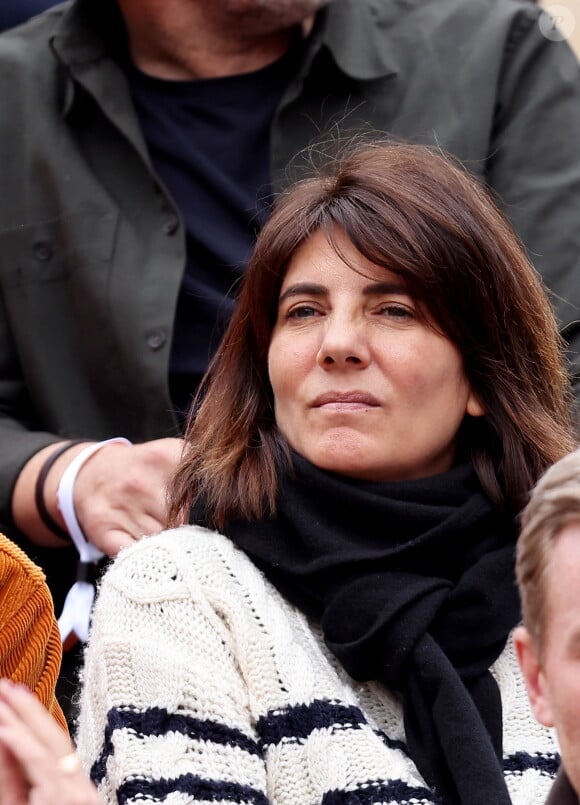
(13, 786)
(33, 757)
(138, 523)
(125, 521)
(148, 525)
(40, 774)
(114, 539)
(44, 778)
(20, 708)
(152, 506)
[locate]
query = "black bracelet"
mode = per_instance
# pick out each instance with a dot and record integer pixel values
(43, 512)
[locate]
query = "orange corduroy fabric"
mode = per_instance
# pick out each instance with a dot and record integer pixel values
(30, 645)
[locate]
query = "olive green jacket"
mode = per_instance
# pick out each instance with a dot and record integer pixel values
(92, 248)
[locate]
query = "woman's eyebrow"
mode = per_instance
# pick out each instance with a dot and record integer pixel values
(377, 288)
(307, 288)
(313, 289)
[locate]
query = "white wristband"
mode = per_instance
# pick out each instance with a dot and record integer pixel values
(65, 499)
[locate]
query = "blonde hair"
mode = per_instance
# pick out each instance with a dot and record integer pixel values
(554, 504)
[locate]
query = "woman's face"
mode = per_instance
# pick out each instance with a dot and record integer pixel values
(362, 386)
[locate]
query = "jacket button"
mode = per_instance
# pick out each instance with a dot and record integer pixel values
(42, 250)
(156, 339)
(171, 224)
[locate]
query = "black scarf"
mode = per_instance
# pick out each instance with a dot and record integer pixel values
(413, 584)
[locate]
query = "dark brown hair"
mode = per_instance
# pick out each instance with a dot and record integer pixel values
(417, 214)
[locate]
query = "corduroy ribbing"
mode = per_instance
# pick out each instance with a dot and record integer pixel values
(30, 645)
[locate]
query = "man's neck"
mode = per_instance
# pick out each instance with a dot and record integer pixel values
(181, 41)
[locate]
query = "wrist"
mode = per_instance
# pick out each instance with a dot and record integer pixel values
(53, 478)
(50, 518)
(23, 504)
(65, 493)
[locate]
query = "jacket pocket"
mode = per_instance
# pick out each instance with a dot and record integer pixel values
(50, 250)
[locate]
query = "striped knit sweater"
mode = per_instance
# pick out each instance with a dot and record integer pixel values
(201, 684)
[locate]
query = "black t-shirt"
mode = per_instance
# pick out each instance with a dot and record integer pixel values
(209, 141)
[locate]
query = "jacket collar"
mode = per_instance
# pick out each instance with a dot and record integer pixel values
(346, 27)
(349, 30)
(89, 34)
(87, 31)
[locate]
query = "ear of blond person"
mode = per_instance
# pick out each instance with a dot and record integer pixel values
(529, 660)
(30, 644)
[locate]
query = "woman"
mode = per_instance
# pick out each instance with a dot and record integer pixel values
(389, 389)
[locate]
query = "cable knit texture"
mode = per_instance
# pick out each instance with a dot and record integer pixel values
(30, 645)
(202, 684)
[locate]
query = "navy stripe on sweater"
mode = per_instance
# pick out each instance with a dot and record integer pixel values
(295, 724)
(196, 787)
(153, 721)
(379, 791)
(393, 743)
(545, 763)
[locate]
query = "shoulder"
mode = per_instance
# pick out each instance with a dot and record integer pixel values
(25, 602)
(30, 74)
(494, 27)
(185, 570)
(30, 647)
(19, 577)
(23, 44)
(464, 42)
(426, 13)
(177, 561)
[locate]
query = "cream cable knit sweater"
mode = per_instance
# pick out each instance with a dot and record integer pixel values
(201, 684)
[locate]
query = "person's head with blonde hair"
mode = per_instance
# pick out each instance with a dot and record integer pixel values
(548, 574)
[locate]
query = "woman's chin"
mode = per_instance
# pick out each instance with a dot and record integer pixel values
(350, 459)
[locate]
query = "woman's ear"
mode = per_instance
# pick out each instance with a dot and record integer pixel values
(529, 660)
(474, 407)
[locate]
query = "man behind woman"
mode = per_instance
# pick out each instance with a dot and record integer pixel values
(389, 389)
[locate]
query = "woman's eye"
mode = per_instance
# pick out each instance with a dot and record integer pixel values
(301, 312)
(396, 311)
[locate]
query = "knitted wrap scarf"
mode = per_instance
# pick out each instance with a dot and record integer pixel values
(413, 584)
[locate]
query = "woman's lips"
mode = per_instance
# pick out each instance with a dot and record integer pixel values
(345, 400)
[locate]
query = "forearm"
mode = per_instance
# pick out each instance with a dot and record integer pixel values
(25, 513)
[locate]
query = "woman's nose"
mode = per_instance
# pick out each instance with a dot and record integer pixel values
(343, 344)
